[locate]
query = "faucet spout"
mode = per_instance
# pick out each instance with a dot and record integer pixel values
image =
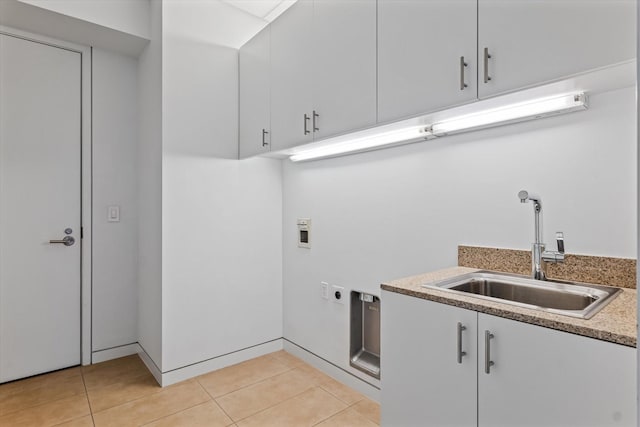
(539, 256)
(537, 209)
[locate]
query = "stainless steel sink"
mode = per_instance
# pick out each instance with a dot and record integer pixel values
(570, 299)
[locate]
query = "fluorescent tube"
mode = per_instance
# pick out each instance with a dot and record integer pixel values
(529, 110)
(361, 143)
(517, 112)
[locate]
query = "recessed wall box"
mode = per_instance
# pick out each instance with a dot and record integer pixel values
(364, 350)
(304, 233)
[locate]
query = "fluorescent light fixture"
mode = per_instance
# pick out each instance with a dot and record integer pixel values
(361, 143)
(412, 131)
(519, 112)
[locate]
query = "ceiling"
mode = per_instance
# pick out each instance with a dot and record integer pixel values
(267, 10)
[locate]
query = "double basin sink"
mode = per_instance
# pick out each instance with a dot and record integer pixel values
(579, 300)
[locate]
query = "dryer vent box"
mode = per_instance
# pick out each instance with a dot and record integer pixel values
(365, 333)
(304, 233)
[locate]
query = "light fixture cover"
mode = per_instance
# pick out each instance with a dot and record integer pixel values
(511, 113)
(361, 143)
(519, 112)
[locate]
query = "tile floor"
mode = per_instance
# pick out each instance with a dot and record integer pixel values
(277, 389)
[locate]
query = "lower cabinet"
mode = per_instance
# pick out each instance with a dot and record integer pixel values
(447, 366)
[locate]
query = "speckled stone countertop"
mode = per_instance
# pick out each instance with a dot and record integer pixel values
(616, 322)
(620, 272)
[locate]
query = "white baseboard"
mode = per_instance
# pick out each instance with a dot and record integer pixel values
(115, 352)
(369, 387)
(151, 366)
(219, 362)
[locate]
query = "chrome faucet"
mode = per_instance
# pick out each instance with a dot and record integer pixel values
(540, 257)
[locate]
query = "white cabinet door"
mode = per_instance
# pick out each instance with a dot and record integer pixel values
(344, 72)
(420, 46)
(543, 377)
(423, 383)
(254, 95)
(533, 41)
(291, 75)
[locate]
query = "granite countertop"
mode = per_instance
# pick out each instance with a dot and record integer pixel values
(616, 322)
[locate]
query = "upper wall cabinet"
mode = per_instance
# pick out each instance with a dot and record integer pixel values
(255, 127)
(527, 42)
(323, 70)
(344, 75)
(291, 76)
(426, 56)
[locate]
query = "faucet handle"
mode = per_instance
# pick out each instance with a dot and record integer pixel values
(555, 256)
(560, 240)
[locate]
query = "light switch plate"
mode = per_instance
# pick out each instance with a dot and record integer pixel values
(113, 213)
(324, 286)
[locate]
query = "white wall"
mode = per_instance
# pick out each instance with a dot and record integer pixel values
(222, 218)
(402, 211)
(115, 135)
(200, 92)
(222, 256)
(150, 191)
(128, 16)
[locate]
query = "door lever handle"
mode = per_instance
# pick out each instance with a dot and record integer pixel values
(67, 241)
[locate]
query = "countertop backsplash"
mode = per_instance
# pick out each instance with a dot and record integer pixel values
(620, 272)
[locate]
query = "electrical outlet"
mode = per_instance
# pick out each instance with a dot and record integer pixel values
(337, 294)
(324, 286)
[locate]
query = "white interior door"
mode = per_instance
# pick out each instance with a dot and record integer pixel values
(40, 196)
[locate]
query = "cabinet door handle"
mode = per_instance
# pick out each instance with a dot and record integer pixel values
(306, 119)
(460, 352)
(488, 363)
(487, 56)
(264, 137)
(463, 65)
(315, 116)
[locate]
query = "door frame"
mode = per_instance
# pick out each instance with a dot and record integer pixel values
(86, 138)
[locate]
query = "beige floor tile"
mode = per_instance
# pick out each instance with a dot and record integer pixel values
(112, 363)
(86, 421)
(318, 376)
(235, 377)
(347, 418)
(254, 398)
(368, 408)
(207, 414)
(287, 359)
(123, 391)
(341, 391)
(37, 381)
(49, 392)
(113, 371)
(150, 408)
(49, 414)
(306, 409)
